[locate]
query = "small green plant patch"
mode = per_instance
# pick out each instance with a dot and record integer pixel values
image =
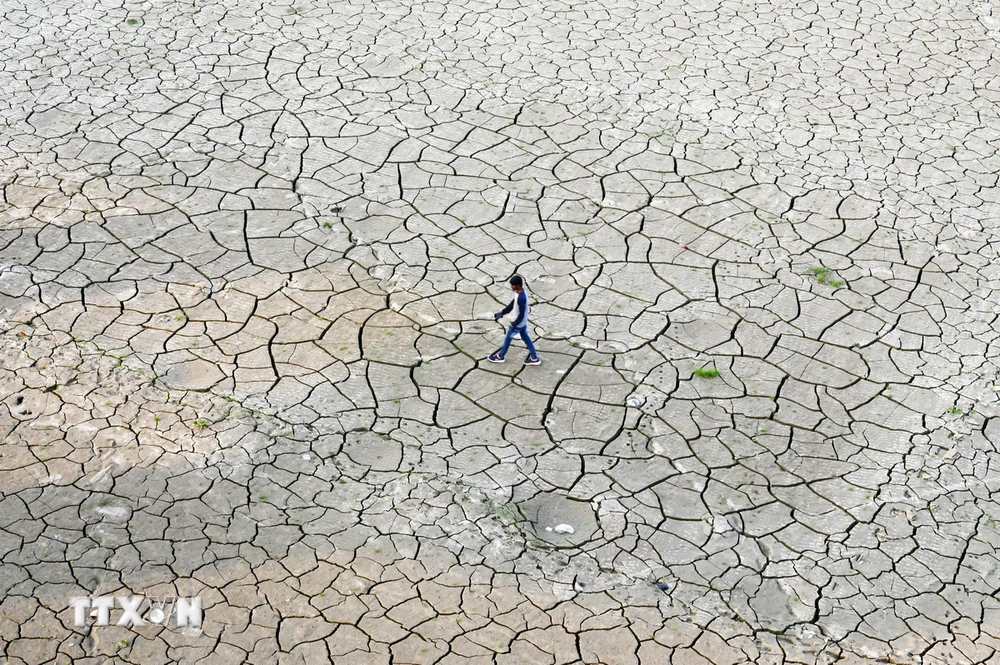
(823, 276)
(706, 372)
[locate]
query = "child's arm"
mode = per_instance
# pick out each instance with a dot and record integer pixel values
(506, 310)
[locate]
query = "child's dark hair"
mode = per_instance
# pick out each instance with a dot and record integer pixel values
(517, 281)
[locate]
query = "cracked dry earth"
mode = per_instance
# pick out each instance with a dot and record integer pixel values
(244, 256)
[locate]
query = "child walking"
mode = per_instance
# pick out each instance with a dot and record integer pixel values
(518, 324)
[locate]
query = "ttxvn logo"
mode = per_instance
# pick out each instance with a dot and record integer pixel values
(138, 610)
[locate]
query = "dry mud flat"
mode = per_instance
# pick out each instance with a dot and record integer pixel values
(242, 255)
